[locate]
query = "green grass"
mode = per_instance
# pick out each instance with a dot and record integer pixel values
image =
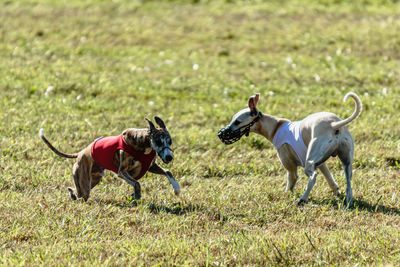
(111, 63)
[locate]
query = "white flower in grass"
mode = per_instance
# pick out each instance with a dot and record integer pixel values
(271, 93)
(151, 103)
(15, 51)
(289, 60)
(317, 78)
(79, 97)
(384, 91)
(88, 122)
(175, 80)
(133, 68)
(339, 52)
(195, 67)
(48, 91)
(328, 58)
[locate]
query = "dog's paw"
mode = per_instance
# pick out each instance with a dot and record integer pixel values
(72, 193)
(301, 202)
(337, 192)
(349, 204)
(177, 188)
(136, 196)
(177, 192)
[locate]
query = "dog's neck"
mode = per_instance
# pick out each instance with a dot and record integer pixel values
(138, 139)
(268, 125)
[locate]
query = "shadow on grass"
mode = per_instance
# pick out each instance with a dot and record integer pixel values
(360, 205)
(177, 208)
(115, 203)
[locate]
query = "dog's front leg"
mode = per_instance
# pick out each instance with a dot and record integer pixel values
(136, 185)
(158, 170)
(291, 180)
(122, 173)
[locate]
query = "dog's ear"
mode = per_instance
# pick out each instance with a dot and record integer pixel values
(256, 97)
(253, 100)
(160, 122)
(151, 125)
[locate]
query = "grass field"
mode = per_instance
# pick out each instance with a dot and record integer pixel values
(84, 69)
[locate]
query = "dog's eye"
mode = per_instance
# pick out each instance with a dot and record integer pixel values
(236, 122)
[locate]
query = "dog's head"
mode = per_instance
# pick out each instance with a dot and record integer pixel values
(160, 140)
(241, 122)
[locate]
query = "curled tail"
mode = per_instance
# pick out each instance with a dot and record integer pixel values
(357, 111)
(71, 156)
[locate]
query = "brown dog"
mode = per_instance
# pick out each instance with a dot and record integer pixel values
(130, 155)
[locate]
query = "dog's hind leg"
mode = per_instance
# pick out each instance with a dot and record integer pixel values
(75, 193)
(97, 174)
(347, 161)
(319, 151)
(328, 176)
(311, 182)
(82, 179)
(96, 178)
(349, 192)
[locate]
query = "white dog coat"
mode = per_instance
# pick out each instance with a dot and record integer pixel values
(290, 133)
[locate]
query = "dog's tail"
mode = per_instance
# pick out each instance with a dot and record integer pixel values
(357, 111)
(70, 156)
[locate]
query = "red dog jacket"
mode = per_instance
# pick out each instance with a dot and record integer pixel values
(103, 151)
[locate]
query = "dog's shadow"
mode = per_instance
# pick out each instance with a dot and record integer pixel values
(359, 204)
(176, 208)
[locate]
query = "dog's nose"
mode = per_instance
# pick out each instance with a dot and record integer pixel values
(168, 158)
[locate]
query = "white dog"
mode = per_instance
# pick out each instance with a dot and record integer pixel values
(308, 143)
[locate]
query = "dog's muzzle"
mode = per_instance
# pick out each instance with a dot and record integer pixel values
(229, 136)
(168, 158)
